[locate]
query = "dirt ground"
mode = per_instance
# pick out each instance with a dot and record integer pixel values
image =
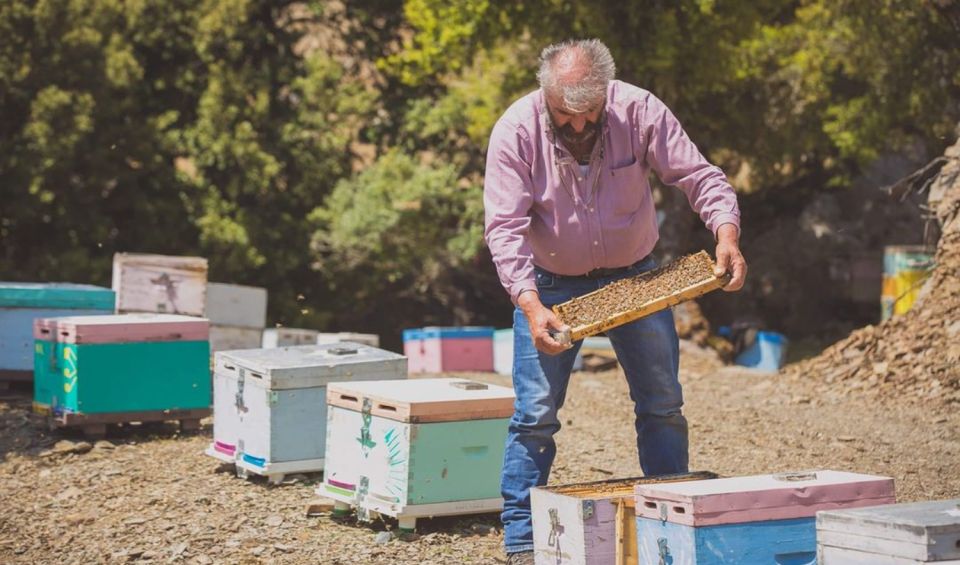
(150, 495)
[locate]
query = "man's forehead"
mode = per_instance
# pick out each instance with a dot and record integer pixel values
(557, 105)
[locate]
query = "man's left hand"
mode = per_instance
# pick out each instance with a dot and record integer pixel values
(729, 258)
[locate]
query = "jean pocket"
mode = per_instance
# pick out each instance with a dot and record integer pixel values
(545, 280)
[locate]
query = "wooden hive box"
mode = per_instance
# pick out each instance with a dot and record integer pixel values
(237, 316)
(438, 350)
(590, 523)
(22, 303)
(131, 363)
(424, 447)
(46, 352)
(160, 283)
(759, 519)
(270, 405)
(288, 337)
(896, 534)
(373, 340)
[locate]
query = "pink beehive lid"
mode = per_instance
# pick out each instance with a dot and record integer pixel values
(425, 400)
(760, 497)
(45, 328)
(124, 328)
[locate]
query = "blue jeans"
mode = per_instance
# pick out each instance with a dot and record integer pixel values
(648, 351)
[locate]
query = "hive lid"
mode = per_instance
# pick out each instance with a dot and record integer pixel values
(126, 328)
(425, 400)
(922, 531)
(761, 497)
(170, 261)
(56, 295)
(306, 366)
(437, 332)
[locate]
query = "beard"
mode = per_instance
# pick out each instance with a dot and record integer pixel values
(569, 136)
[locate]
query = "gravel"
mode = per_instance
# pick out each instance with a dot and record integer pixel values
(150, 496)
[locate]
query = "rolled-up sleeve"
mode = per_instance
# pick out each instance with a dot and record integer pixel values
(507, 198)
(677, 161)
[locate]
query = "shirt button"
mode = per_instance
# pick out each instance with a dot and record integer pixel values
(591, 209)
(596, 243)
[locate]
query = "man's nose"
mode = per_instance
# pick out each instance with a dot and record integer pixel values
(578, 123)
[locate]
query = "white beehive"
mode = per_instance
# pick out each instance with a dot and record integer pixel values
(160, 283)
(896, 534)
(270, 409)
(372, 340)
(286, 337)
(237, 316)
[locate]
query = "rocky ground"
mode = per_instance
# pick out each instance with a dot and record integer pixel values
(151, 496)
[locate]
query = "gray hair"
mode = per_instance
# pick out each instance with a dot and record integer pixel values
(559, 59)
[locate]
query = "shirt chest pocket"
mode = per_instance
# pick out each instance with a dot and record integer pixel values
(625, 186)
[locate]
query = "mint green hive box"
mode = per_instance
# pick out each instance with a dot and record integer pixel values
(415, 448)
(134, 366)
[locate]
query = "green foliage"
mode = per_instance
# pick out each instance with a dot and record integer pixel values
(182, 127)
(396, 229)
(209, 128)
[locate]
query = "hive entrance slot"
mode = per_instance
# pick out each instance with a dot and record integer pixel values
(348, 398)
(387, 407)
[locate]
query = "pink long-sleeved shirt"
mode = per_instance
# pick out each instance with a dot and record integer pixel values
(541, 209)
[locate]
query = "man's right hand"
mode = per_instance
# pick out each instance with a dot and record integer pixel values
(541, 319)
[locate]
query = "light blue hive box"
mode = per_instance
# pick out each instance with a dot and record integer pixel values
(270, 405)
(21, 303)
(422, 447)
(755, 520)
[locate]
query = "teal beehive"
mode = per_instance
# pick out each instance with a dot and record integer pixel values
(424, 447)
(130, 363)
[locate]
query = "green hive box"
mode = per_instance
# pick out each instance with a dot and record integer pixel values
(124, 363)
(415, 448)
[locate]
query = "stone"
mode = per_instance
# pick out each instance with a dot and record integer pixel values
(382, 538)
(274, 520)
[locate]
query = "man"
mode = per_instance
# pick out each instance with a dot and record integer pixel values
(569, 210)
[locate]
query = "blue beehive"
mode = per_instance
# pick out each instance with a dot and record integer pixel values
(21, 303)
(756, 520)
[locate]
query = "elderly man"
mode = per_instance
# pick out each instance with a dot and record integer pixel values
(569, 210)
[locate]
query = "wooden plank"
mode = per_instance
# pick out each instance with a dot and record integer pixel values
(69, 419)
(828, 555)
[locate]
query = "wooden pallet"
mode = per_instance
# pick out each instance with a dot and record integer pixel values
(405, 514)
(95, 425)
(275, 472)
(706, 282)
